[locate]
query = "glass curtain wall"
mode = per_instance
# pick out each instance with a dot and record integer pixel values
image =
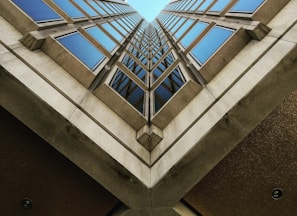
(149, 57)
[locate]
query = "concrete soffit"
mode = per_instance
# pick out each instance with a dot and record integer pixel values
(213, 123)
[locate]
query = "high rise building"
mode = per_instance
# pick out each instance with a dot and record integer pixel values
(104, 113)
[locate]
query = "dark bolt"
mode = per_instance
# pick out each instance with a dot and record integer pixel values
(277, 193)
(26, 203)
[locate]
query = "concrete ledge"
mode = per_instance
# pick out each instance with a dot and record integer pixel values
(224, 54)
(119, 105)
(68, 61)
(178, 101)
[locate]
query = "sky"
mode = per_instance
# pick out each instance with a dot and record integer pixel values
(149, 9)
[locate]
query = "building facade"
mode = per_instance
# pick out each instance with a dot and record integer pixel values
(150, 111)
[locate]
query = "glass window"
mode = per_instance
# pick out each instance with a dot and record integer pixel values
(193, 34)
(205, 5)
(184, 28)
(69, 8)
(210, 43)
(112, 31)
(246, 6)
(128, 90)
(119, 27)
(104, 7)
(165, 63)
(196, 5)
(82, 49)
(102, 38)
(134, 67)
(99, 9)
(177, 25)
(220, 5)
(38, 10)
(86, 7)
(168, 88)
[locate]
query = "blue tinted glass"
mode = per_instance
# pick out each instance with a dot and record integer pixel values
(220, 5)
(246, 6)
(194, 7)
(120, 28)
(104, 7)
(69, 8)
(82, 49)
(112, 31)
(185, 26)
(193, 33)
(86, 7)
(128, 90)
(111, 7)
(102, 38)
(210, 43)
(37, 10)
(168, 88)
(99, 9)
(178, 24)
(205, 5)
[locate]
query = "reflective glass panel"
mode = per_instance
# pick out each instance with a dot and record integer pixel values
(119, 27)
(184, 28)
(205, 5)
(86, 7)
(104, 7)
(168, 88)
(210, 43)
(112, 31)
(246, 6)
(177, 25)
(219, 5)
(195, 6)
(82, 49)
(128, 90)
(102, 38)
(37, 10)
(69, 8)
(134, 67)
(99, 9)
(193, 33)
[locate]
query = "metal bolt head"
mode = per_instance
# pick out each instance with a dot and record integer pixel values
(277, 193)
(26, 203)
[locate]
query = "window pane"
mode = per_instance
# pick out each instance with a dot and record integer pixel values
(102, 38)
(37, 10)
(210, 43)
(69, 8)
(168, 88)
(193, 34)
(86, 7)
(99, 9)
(195, 6)
(82, 49)
(177, 25)
(119, 28)
(185, 27)
(246, 6)
(112, 31)
(220, 5)
(128, 90)
(205, 5)
(104, 7)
